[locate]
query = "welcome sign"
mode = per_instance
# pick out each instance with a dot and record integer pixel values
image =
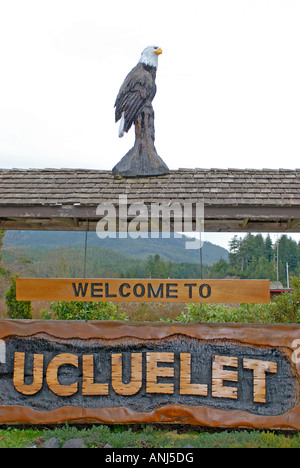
(141, 290)
(118, 372)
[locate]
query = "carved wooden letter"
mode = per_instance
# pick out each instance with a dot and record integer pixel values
(219, 374)
(52, 374)
(260, 368)
(89, 387)
(186, 387)
(19, 371)
(136, 374)
(153, 372)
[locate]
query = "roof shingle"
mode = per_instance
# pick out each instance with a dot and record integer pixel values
(212, 186)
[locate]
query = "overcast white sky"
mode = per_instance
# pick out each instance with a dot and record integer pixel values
(228, 92)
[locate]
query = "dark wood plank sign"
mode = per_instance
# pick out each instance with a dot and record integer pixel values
(120, 372)
(141, 290)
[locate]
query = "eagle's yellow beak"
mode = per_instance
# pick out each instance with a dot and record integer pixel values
(158, 51)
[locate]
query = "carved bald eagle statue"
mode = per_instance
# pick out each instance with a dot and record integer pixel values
(134, 105)
(138, 88)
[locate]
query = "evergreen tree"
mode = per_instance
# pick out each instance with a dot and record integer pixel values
(219, 270)
(268, 249)
(234, 246)
(2, 233)
(3, 270)
(255, 258)
(288, 253)
(258, 246)
(246, 252)
(156, 267)
(264, 269)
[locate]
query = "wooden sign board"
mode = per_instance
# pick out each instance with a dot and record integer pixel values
(141, 290)
(120, 372)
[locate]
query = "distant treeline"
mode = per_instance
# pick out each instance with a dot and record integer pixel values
(172, 248)
(250, 257)
(68, 262)
(254, 257)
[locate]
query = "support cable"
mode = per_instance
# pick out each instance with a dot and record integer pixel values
(201, 258)
(85, 260)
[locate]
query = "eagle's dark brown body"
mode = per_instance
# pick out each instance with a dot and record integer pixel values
(138, 90)
(134, 105)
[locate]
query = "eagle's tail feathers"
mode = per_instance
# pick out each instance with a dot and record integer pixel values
(122, 124)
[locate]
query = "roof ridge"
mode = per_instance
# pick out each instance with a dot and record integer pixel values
(101, 171)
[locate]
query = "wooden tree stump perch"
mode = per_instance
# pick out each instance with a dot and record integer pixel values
(142, 159)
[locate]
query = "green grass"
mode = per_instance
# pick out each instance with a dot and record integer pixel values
(19, 438)
(149, 437)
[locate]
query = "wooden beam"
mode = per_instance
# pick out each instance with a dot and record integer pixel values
(211, 211)
(293, 223)
(217, 218)
(245, 223)
(70, 222)
(211, 225)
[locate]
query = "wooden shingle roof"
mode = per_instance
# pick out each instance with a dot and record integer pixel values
(234, 199)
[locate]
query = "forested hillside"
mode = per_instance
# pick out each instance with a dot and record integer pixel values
(252, 256)
(2, 269)
(172, 249)
(68, 262)
(258, 258)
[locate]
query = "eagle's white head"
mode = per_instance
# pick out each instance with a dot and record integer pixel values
(150, 56)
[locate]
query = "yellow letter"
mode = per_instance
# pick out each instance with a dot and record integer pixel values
(52, 377)
(219, 375)
(18, 378)
(186, 387)
(260, 368)
(153, 372)
(136, 374)
(89, 387)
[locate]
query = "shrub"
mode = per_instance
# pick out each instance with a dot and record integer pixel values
(283, 309)
(17, 309)
(287, 305)
(79, 311)
(217, 313)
